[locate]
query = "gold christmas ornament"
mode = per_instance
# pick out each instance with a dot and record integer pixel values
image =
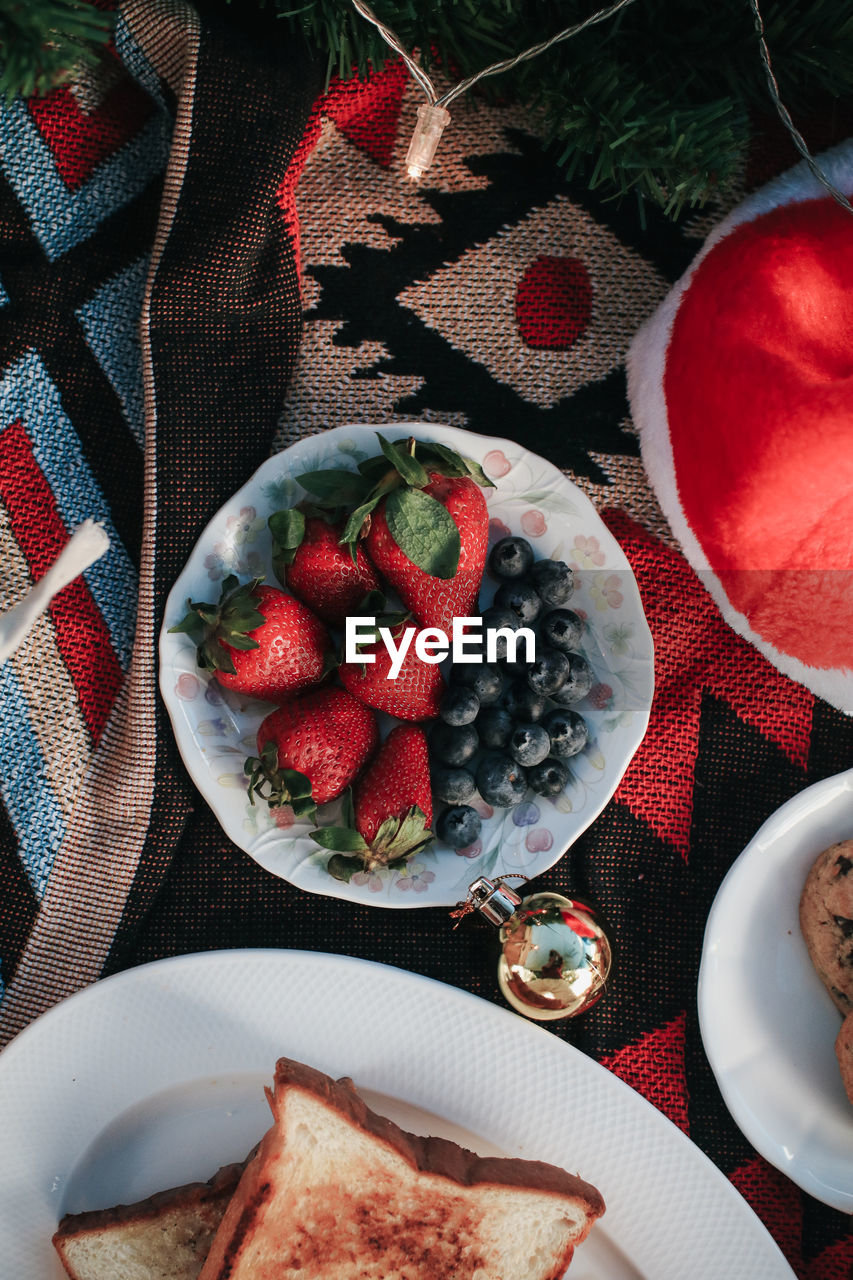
(555, 956)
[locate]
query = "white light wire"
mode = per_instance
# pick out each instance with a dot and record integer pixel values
(393, 40)
(507, 64)
(785, 115)
(533, 52)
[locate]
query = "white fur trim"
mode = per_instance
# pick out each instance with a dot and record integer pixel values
(646, 361)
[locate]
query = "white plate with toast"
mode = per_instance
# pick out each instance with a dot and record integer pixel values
(155, 1077)
(216, 729)
(768, 1024)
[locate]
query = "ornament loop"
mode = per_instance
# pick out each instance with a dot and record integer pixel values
(492, 898)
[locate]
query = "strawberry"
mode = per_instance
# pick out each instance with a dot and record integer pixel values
(311, 748)
(415, 693)
(390, 816)
(424, 521)
(318, 569)
(436, 601)
(258, 640)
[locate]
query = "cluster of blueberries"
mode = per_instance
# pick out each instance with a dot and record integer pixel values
(510, 725)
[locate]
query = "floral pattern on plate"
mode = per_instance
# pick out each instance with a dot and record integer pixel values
(215, 729)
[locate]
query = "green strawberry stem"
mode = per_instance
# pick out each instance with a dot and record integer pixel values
(397, 840)
(374, 605)
(403, 460)
(212, 626)
(420, 525)
(278, 786)
(287, 528)
(343, 868)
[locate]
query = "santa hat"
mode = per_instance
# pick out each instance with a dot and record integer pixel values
(741, 386)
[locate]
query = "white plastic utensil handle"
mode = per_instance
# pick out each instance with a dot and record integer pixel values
(86, 545)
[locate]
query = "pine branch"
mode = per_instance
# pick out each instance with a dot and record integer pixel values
(675, 156)
(655, 101)
(41, 41)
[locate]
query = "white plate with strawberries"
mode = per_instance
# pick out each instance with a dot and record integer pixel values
(216, 724)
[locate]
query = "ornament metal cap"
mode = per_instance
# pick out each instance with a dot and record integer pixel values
(493, 899)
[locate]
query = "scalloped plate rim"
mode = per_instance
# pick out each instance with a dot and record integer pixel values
(730, 984)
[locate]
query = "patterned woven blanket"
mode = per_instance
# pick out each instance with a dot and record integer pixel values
(205, 257)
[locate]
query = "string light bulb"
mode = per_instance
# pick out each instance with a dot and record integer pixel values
(432, 121)
(433, 116)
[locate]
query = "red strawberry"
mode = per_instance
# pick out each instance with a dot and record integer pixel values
(258, 640)
(434, 601)
(391, 812)
(324, 576)
(311, 748)
(415, 693)
(425, 519)
(396, 780)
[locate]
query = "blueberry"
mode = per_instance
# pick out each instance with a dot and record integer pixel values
(568, 732)
(496, 619)
(578, 682)
(562, 629)
(459, 705)
(451, 784)
(515, 667)
(523, 703)
(465, 673)
(453, 744)
(501, 781)
(458, 826)
(529, 744)
(548, 778)
(520, 599)
(511, 558)
(488, 684)
(499, 616)
(485, 681)
(549, 672)
(494, 725)
(553, 581)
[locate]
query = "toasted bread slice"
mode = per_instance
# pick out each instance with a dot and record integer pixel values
(336, 1192)
(165, 1237)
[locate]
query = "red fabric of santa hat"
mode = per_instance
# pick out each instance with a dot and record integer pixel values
(741, 386)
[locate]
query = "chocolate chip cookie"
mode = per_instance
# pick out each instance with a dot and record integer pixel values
(826, 920)
(844, 1053)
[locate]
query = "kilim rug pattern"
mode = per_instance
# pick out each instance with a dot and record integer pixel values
(198, 266)
(119, 249)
